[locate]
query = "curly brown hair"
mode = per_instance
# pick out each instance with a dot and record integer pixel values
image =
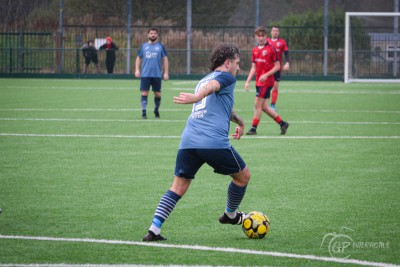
(221, 53)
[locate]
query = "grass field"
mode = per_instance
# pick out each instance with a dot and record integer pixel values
(81, 174)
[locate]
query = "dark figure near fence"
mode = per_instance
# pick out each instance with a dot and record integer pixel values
(90, 54)
(110, 48)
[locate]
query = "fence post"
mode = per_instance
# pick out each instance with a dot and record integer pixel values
(78, 70)
(60, 47)
(188, 35)
(326, 4)
(11, 59)
(20, 51)
(128, 37)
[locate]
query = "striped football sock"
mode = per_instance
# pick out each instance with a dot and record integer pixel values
(235, 196)
(165, 206)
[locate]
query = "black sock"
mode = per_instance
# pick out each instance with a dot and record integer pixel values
(157, 103)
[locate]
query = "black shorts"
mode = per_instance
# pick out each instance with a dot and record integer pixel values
(263, 91)
(155, 83)
(224, 161)
(277, 76)
(94, 59)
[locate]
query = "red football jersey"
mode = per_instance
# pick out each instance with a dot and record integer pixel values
(280, 46)
(264, 58)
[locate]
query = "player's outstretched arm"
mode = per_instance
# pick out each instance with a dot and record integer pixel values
(207, 89)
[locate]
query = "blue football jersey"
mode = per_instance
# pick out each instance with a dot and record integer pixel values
(151, 56)
(208, 124)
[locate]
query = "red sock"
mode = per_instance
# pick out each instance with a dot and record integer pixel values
(274, 96)
(255, 122)
(278, 119)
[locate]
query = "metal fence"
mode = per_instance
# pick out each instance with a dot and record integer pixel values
(45, 60)
(55, 52)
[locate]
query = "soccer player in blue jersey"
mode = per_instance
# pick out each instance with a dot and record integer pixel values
(152, 55)
(205, 140)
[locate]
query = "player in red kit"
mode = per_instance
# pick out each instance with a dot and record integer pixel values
(264, 64)
(281, 47)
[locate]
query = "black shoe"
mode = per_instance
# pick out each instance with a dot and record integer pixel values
(284, 127)
(252, 131)
(157, 114)
(150, 236)
(224, 219)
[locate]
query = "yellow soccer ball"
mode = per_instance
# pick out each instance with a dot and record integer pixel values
(256, 225)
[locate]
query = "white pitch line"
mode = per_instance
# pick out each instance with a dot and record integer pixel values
(93, 136)
(85, 109)
(204, 248)
(103, 265)
(323, 137)
(180, 121)
(188, 110)
(343, 111)
(347, 122)
(322, 91)
(91, 120)
(177, 137)
(184, 121)
(238, 90)
(69, 88)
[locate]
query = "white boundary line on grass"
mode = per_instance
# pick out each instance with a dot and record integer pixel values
(184, 121)
(204, 248)
(238, 90)
(178, 136)
(89, 109)
(93, 265)
(189, 110)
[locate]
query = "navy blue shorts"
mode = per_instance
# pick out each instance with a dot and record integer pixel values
(277, 76)
(224, 161)
(155, 83)
(263, 91)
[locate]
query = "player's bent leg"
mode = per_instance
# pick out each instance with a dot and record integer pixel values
(269, 111)
(166, 205)
(236, 192)
(241, 178)
(258, 105)
(180, 185)
(274, 95)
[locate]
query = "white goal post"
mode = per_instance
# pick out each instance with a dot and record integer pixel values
(372, 54)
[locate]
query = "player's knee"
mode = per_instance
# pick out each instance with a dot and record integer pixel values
(243, 177)
(247, 175)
